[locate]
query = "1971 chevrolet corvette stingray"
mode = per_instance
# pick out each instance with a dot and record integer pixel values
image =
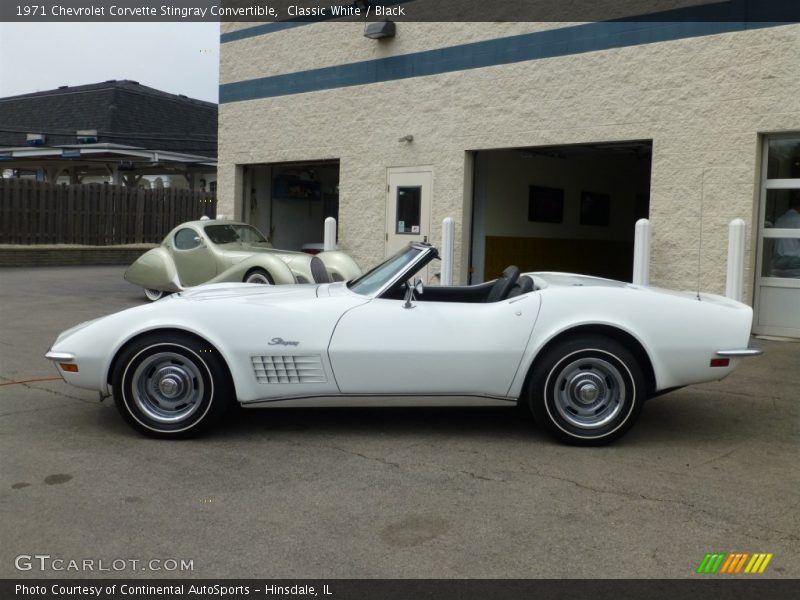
(582, 353)
(216, 251)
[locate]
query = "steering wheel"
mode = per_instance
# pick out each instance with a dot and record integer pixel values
(503, 285)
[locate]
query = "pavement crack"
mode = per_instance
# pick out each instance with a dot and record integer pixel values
(620, 493)
(55, 393)
(397, 465)
(351, 453)
(482, 477)
(719, 457)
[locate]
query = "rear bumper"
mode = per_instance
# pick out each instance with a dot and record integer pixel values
(740, 352)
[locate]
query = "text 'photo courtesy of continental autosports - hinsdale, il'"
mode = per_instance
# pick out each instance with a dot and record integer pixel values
(583, 354)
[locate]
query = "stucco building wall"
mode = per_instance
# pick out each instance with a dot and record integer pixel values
(704, 101)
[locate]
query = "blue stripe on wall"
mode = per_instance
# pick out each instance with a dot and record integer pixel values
(564, 41)
(265, 28)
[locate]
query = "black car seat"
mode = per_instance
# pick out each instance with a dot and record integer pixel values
(503, 285)
(523, 286)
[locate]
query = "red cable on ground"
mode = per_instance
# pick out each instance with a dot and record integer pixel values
(31, 380)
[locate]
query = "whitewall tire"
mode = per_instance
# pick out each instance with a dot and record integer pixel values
(259, 276)
(153, 295)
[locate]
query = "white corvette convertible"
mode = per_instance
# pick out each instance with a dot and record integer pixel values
(582, 353)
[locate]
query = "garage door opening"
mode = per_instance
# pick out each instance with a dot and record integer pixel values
(559, 208)
(289, 202)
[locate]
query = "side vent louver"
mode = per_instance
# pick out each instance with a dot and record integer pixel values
(288, 369)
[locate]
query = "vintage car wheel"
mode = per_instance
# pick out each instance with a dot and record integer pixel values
(171, 386)
(153, 295)
(587, 391)
(259, 276)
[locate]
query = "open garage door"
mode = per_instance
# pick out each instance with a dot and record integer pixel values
(559, 208)
(289, 202)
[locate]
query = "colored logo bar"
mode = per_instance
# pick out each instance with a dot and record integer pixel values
(734, 563)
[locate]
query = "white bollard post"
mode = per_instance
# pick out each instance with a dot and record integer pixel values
(448, 236)
(641, 253)
(329, 242)
(736, 242)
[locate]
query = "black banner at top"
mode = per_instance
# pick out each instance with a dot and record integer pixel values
(782, 11)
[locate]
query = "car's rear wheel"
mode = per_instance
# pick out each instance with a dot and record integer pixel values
(587, 391)
(153, 295)
(259, 276)
(171, 385)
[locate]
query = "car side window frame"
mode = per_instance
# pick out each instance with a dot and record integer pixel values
(194, 234)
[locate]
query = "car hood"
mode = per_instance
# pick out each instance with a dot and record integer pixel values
(271, 293)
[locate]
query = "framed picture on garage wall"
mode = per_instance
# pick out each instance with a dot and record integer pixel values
(595, 208)
(545, 204)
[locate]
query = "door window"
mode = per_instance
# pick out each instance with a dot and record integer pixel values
(409, 210)
(185, 239)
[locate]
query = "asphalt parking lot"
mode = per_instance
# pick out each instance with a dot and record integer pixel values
(376, 492)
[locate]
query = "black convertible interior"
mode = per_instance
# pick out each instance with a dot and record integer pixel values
(508, 285)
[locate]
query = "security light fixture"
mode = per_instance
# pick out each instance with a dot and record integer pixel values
(379, 30)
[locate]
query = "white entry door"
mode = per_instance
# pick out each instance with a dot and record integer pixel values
(408, 206)
(777, 297)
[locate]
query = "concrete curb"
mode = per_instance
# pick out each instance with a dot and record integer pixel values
(69, 255)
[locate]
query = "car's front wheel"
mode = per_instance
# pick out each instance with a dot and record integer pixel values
(171, 385)
(587, 391)
(153, 295)
(259, 276)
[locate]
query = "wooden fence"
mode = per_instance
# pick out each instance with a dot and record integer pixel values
(95, 214)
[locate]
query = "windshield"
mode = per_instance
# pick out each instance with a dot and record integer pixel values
(373, 280)
(233, 232)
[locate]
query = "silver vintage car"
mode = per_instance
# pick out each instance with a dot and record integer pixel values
(218, 251)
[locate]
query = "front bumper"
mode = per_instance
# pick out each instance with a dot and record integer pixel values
(60, 357)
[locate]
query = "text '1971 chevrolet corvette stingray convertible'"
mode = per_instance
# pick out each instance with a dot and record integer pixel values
(582, 353)
(216, 251)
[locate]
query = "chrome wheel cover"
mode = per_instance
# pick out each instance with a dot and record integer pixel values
(589, 392)
(167, 387)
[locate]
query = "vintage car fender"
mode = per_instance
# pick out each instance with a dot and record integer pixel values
(340, 265)
(271, 263)
(673, 344)
(156, 270)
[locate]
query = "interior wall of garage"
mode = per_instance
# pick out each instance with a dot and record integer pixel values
(290, 222)
(503, 233)
(704, 100)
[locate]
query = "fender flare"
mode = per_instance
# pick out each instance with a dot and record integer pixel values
(156, 270)
(340, 265)
(278, 270)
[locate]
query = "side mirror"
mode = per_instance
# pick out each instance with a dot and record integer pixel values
(410, 289)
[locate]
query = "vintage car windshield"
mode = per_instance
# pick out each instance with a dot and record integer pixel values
(374, 279)
(234, 232)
